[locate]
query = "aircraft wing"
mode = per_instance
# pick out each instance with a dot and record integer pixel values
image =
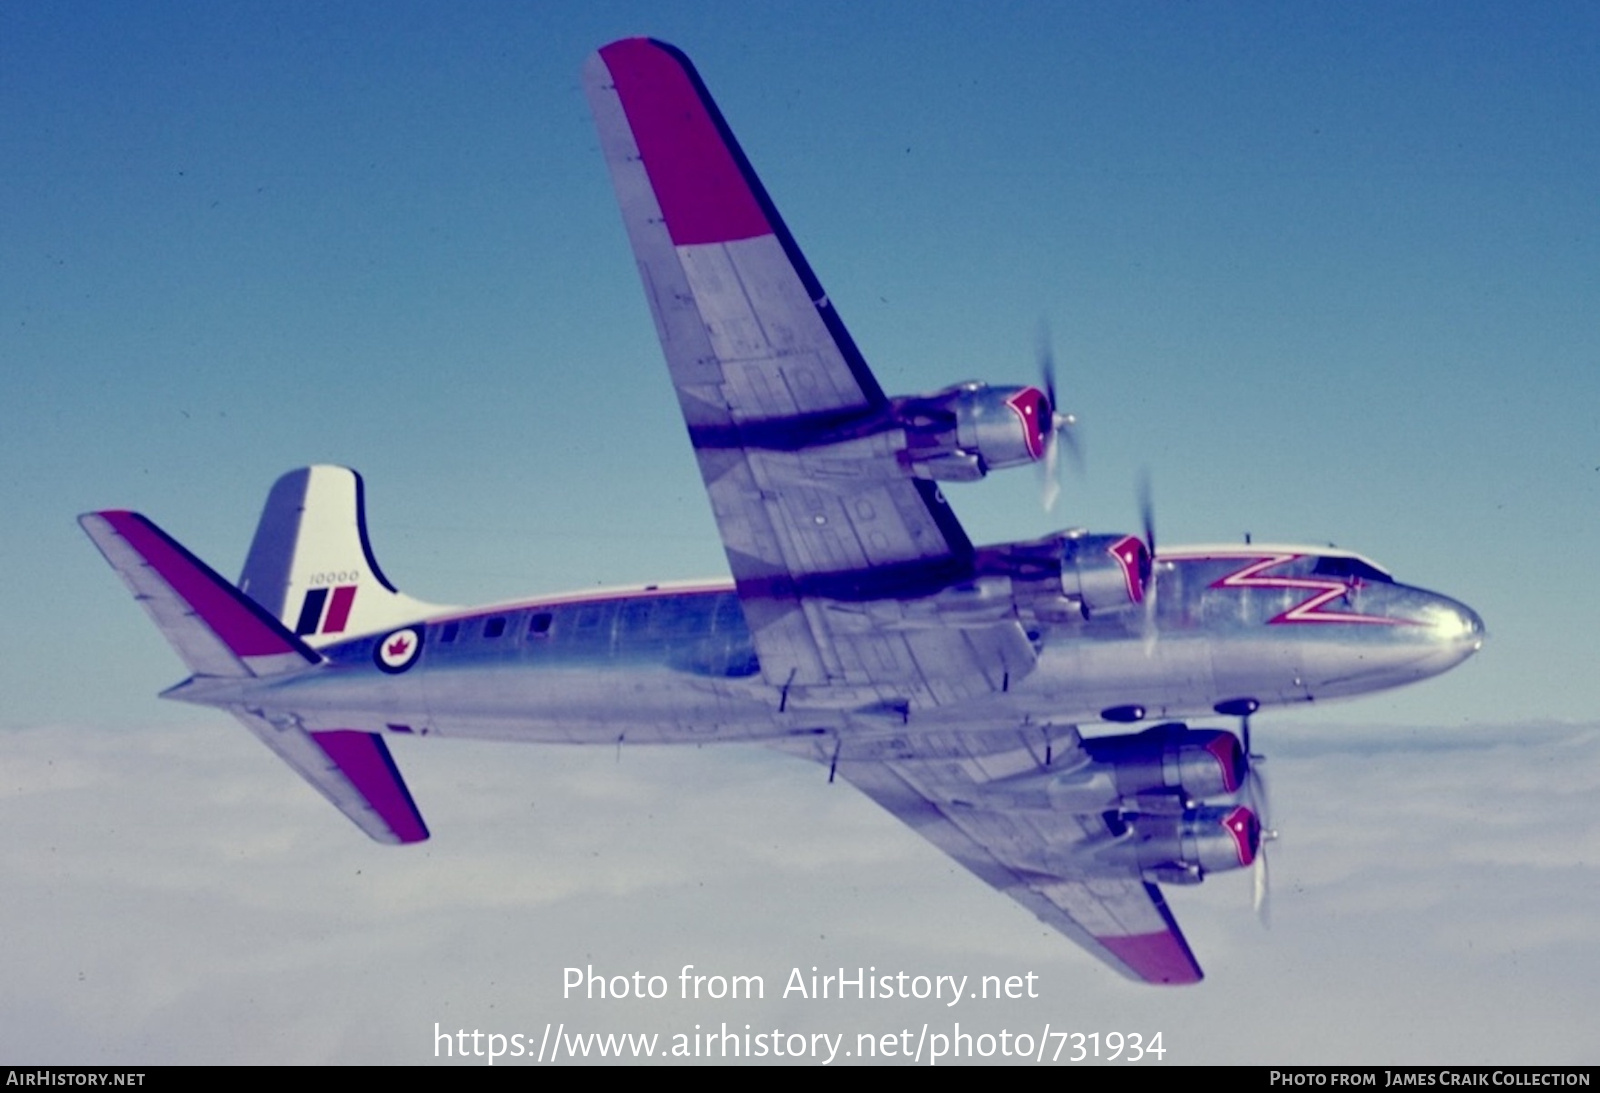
(827, 536)
(949, 788)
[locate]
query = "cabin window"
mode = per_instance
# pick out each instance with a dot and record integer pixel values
(448, 634)
(494, 627)
(635, 621)
(590, 622)
(539, 624)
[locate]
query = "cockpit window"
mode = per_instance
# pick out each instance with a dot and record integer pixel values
(1334, 566)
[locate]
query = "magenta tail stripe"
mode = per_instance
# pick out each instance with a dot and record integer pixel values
(365, 760)
(344, 597)
(243, 627)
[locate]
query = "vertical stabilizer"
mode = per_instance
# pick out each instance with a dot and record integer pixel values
(311, 564)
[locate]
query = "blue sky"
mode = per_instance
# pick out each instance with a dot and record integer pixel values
(1328, 273)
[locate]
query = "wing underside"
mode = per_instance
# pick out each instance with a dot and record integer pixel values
(838, 553)
(943, 786)
(816, 513)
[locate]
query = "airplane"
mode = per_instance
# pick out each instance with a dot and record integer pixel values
(1023, 706)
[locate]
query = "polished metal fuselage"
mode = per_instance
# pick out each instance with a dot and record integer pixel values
(1230, 626)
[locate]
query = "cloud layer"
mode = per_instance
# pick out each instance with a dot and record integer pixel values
(174, 895)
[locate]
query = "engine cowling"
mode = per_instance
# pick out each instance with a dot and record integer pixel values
(1165, 768)
(962, 433)
(1163, 847)
(1198, 763)
(1105, 572)
(1182, 849)
(1071, 571)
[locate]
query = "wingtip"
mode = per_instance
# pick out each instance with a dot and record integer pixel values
(1162, 958)
(112, 522)
(641, 41)
(701, 181)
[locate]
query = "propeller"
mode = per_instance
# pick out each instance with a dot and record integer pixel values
(1147, 521)
(1259, 802)
(1059, 427)
(1263, 889)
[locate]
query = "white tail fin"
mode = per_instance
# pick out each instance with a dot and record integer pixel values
(311, 565)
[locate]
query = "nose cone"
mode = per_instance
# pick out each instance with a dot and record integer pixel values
(1455, 628)
(1429, 634)
(1444, 632)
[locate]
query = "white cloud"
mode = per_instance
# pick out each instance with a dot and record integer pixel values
(176, 895)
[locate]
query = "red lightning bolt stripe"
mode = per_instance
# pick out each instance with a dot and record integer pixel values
(1327, 590)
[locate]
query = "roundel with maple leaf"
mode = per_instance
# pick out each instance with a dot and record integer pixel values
(398, 651)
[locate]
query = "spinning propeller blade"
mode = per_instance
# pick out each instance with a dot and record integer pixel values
(1059, 426)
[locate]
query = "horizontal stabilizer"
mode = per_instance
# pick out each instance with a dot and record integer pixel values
(216, 629)
(351, 769)
(221, 632)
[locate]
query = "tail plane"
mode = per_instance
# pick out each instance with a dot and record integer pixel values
(218, 631)
(309, 580)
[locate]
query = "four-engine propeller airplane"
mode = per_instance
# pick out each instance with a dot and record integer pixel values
(861, 628)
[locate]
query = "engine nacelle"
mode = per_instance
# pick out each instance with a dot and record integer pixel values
(1164, 847)
(962, 433)
(1105, 572)
(1182, 849)
(1072, 570)
(1197, 763)
(1165, 769)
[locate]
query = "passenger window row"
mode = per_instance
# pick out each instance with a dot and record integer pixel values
(495, 626)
